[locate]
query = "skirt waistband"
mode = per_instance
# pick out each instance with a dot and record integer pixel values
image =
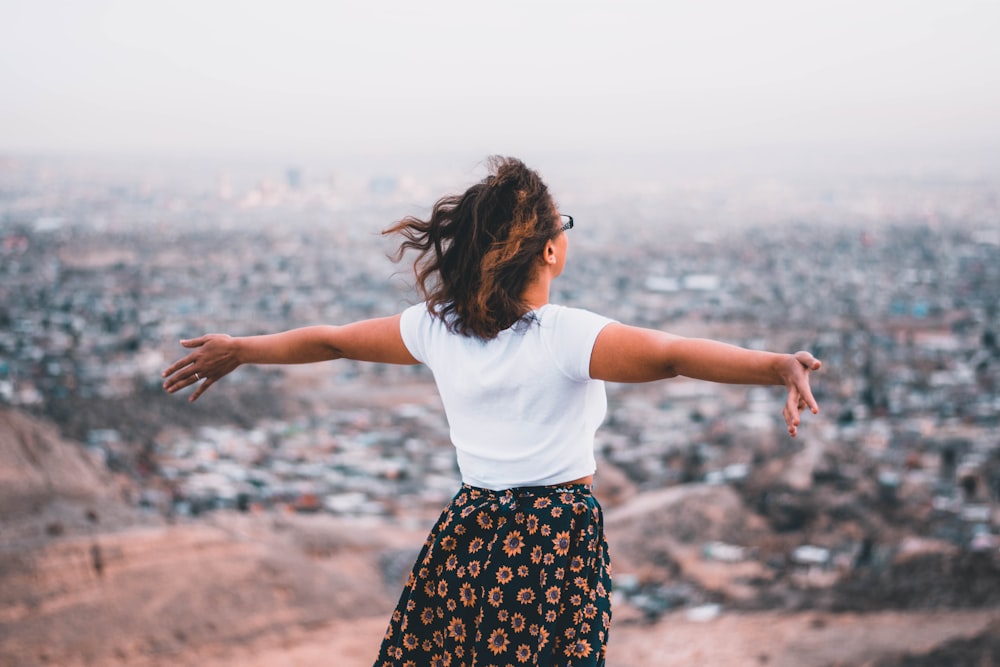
(522, 491)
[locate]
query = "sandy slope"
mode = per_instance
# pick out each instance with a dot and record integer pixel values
(731, 640)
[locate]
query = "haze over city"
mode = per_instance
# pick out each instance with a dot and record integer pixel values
(776, 85)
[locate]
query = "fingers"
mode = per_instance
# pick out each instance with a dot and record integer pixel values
(800, 396)
(178, 365)
(184, 377)
(201, 389)
(791, 412)
(187, 379)
(172, 384)
(807, 400)
(189, 359)
(808, 361)
(181, 373)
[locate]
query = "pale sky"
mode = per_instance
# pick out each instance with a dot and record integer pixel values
(243, 77)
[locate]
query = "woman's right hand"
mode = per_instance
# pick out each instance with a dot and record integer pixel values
(213, 357)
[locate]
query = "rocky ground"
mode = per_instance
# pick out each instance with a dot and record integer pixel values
(87, 580)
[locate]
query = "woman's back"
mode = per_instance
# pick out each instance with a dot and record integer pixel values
(522, 407)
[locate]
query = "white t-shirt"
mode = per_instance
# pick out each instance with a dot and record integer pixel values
(522, 408)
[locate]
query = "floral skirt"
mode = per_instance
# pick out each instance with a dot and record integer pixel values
(514, 577)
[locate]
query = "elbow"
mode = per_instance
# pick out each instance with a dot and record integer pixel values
(331, 351)
(667, 371)
(667, 366)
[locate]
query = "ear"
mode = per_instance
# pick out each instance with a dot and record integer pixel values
(549, 254)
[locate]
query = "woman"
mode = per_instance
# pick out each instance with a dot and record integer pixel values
(516, 570)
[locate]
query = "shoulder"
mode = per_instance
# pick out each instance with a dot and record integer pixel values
(569, 335)
(420, 318)
(415, 312)
(567, 317)
(419, 329)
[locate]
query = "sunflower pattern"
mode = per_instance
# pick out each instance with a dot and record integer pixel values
(507, 579)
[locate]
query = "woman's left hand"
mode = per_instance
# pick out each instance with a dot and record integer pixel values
(796, 379)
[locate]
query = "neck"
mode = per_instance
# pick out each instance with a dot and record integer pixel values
(536, 293)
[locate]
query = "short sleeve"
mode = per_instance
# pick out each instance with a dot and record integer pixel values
(571, 335)
(414, 327)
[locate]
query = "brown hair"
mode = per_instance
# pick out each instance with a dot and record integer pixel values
(478, 250)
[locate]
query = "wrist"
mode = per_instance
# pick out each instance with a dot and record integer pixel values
(785, 367)
(238, 350)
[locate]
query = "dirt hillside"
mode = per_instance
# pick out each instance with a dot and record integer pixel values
(87, 580)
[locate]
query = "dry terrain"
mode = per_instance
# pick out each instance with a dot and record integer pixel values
(86, 580)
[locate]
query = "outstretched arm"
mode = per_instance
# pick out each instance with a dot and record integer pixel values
(631, 354)
(214, 356)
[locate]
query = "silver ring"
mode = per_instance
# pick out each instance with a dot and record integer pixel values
(196, 375)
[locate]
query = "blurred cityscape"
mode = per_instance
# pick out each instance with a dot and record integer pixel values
(894, 285)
